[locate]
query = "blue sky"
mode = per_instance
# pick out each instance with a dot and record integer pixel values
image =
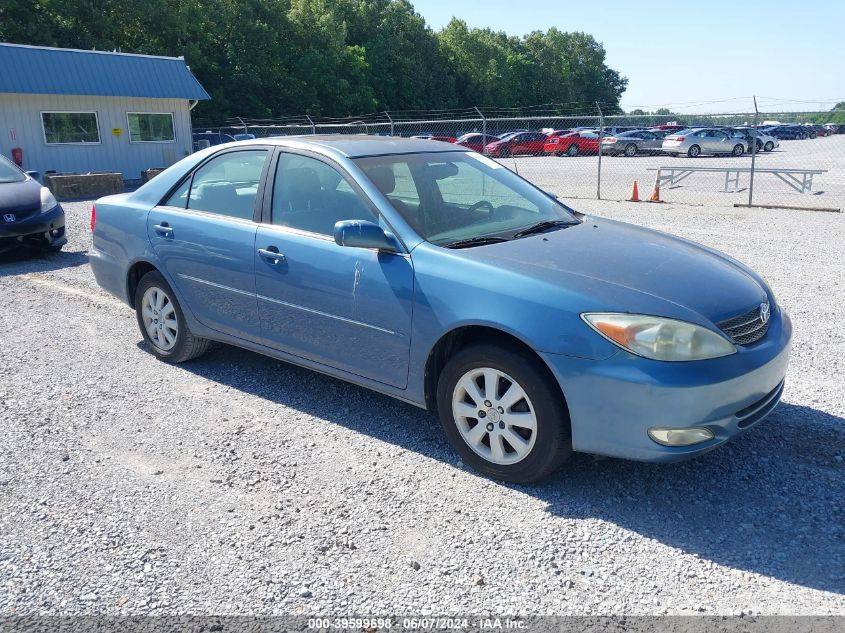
(692, 53)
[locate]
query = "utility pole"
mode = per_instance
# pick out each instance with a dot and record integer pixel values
(601, 135)
(753, 154)
(483, 130)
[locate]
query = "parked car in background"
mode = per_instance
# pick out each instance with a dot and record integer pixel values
(697, 141)
(661, 134)
(243, 136)
(765, 142)
(573, 143)
(618, 129)
(532, 330)
(833, 128)
(511, 133)
(517, 143)
(786, 132)
(29, 214)
(476, 140)
(632, 143)
(671, 127)
(819, 129)
(201, 140)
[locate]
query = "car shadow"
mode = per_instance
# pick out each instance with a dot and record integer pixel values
(30, 260)
(770, 502)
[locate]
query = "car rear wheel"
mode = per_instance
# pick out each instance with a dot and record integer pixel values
(503, 414)
(769, 146)
(739, 150)
(162, 322)
(505, 152)
(694, 151)
(572, 150)
(630, 150)
(558, 153)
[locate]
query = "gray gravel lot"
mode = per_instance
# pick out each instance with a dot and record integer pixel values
(239, 484)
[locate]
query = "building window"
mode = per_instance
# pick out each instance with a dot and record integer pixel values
(63, 128)
(150, 127)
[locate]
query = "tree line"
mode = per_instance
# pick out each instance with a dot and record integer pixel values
(274, 58)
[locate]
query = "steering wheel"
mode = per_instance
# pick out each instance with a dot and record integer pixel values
(482, 203)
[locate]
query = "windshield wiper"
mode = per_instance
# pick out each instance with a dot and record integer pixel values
(475, 241)
(541, 226)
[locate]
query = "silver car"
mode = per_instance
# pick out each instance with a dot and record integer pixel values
(632, 143)
(696, 141)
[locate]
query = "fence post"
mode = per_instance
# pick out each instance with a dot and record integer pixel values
(601, 135)
(313, 128)
(753, 155)
(389, 118)
(483, 130)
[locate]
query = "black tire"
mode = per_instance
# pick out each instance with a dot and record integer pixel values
(187, 346)
(558, 153)
(739, 149)
(505, 152)
(630, 150)
(769, 146)
(759, 146)
(694, 151)
(572, 150)
(552, 445)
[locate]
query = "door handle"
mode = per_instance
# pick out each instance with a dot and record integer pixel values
(164, 230)
(272, 254)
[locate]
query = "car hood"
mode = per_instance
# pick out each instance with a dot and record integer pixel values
(20, 195)
(621, 267)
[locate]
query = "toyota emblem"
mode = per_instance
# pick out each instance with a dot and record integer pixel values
(764, 313)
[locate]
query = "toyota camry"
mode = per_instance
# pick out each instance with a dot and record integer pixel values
(434, 274)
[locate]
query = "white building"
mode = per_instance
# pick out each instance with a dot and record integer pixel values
(67, 110)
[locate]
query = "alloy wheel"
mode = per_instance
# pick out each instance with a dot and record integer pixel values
(494, 416)
(159, 316)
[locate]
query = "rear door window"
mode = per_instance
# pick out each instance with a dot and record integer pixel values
(225, 185)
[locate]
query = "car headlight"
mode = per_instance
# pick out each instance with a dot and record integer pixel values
(48, 200)
(658, 338)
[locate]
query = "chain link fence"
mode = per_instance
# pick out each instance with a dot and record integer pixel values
(778, 159)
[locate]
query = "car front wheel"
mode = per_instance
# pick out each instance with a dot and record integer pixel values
(162, 322)
(503, 414)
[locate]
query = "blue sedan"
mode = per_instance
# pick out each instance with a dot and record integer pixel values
(434, 274)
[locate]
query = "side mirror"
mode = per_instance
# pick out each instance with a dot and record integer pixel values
(364, 234)
(551, 194)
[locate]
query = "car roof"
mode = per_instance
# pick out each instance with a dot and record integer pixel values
(359, 145)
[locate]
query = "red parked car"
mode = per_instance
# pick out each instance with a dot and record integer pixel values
(517, 143)
(476, 140)
(573, 143)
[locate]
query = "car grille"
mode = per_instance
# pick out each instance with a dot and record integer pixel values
(21, 212)
(745, 329)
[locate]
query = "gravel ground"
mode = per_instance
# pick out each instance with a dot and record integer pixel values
(239, 484)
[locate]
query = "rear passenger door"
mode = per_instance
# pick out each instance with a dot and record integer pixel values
(203, 235)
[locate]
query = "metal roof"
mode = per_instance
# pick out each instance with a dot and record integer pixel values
(65, 71)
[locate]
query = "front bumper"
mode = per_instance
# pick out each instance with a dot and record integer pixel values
(612, 403)
(43, 229)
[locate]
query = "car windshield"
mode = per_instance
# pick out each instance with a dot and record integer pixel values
(458, 196)
(9, 172)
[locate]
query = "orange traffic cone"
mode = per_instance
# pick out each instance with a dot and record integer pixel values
(655, 193)
(635, 193)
